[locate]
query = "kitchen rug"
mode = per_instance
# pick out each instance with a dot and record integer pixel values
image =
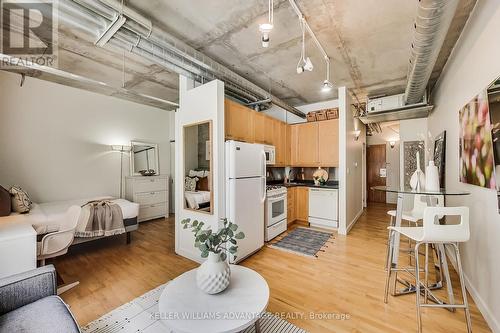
(141, 316)
(303, 241)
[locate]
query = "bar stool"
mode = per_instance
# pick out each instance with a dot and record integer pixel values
(420, 203)
(433, 233)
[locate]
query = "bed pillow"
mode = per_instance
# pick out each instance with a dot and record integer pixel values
(190, 183)
(5, 202)
(21, 202)
(202, 184)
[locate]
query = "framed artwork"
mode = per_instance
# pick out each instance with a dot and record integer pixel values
(477, 166)
(410, 159)
(440, 157)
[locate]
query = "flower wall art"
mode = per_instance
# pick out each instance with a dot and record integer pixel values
(477, 166)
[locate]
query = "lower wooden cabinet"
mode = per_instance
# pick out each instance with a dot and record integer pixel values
(302, 203)
(291, 202)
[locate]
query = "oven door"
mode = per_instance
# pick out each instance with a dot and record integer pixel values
(276, 210)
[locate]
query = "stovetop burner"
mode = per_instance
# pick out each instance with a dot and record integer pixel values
(273, 187)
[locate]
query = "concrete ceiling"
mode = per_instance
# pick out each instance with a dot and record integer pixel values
(367, 40)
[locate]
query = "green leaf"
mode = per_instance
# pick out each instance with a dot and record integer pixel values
(203, 247)
(195, 223)
(233, 249)
(204, 254)
(230, 233)
(233, 227)
(233, 241)
(185, 226)
(239, 235)
(223, 256)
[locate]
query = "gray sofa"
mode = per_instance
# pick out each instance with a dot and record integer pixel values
(29, 303)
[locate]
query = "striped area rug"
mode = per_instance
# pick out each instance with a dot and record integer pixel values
(304, 241)
(138, 316)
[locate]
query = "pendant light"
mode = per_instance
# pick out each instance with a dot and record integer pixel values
(265, 28)
(304, 64)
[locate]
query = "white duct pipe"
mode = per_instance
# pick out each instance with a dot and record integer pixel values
(431, 26)
(160, 47)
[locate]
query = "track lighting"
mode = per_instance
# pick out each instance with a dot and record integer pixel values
(265, 28)
(327, 86)
(304, 64)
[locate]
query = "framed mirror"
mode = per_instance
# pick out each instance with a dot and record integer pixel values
(198, 191)
(144, 159)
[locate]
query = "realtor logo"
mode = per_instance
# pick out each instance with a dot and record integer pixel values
(28, 34)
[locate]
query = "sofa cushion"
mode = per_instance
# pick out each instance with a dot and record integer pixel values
(21, 202)
(5, 202)
(47, 315)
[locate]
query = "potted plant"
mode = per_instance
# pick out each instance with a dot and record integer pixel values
(213, 276)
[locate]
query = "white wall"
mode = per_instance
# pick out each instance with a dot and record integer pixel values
(351, 170)
(55, 140)
(203, 103)
(473, 65)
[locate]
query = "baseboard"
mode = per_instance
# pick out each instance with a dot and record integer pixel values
(481, 305)
(353, 222)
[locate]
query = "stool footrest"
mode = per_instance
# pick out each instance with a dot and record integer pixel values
(447, 306)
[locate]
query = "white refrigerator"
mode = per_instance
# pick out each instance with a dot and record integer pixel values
(246, 194)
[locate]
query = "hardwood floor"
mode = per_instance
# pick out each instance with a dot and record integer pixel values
(347, 279)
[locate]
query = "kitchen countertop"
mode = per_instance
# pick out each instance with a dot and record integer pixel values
(306, 183)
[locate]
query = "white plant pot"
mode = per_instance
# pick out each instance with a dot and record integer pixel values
(214, 275)
(432, 177)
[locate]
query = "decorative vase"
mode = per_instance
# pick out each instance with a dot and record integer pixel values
(417, 180)
(214, 275)
(432, 177)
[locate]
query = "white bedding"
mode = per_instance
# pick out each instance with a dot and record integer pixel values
(44, 217)
(195, 198)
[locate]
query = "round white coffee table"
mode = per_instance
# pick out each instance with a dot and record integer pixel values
(186, 309)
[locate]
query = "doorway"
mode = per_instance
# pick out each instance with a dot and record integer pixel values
(376, 172)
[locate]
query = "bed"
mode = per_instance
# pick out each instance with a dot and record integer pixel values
(199, 199)
(43, 216)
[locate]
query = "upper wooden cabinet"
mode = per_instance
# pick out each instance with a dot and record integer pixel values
(239, 122)
(328, 142)
(304, 144)
(260, 128)
(315, 144)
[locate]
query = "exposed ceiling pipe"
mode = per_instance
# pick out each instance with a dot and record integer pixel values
(433, 21)
(145, 40)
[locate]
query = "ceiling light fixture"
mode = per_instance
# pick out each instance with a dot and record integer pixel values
(305, 63)
(327, 86)
(265, 28)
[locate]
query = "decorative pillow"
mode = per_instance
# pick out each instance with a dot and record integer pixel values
(190, 183)
(21, 202)
(5, 202)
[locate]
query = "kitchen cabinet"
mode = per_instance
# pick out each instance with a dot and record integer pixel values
(328, 144)
(291, 202)
(239, 122)
(304, 144)
(302, 204)
(315, 144)
(259, 120)
(269, 125)
(288, 145)
(279, 142)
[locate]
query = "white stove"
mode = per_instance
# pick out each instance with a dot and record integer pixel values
(276, 211)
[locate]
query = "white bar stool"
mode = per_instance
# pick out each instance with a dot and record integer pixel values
(420, 203)
(434, 233)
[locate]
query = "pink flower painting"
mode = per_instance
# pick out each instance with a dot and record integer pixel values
(477, 166)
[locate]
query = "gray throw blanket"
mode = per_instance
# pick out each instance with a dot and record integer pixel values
(100, 218)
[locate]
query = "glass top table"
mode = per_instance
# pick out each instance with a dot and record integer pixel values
(409, 190)
(442, 270)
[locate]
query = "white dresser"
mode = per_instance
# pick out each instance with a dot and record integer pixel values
(17, 248)
(151, 193)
